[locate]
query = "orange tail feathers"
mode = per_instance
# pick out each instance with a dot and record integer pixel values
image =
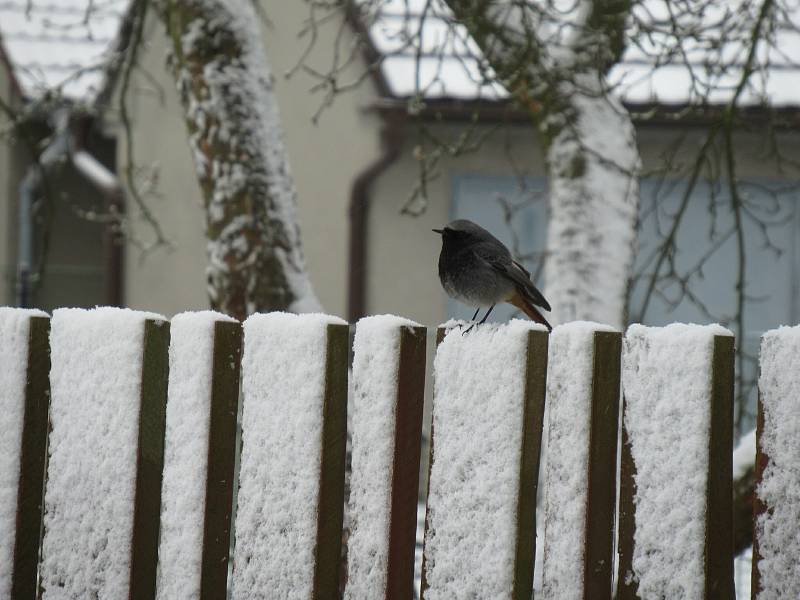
(529, 309)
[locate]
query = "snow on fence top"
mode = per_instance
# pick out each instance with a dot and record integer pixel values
(667, 382)
(186, 453)
(778, 490)
(386, 431)
(285, 392)
(479, 521)
(96, 384)
(15, 328)
(570, 381)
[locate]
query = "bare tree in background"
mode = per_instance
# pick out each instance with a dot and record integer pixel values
(255, 257)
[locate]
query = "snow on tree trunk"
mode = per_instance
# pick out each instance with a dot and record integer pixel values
(593, 207)
(255, 257)
(553, 59)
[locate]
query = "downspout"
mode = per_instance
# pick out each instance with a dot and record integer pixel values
(28, 189)
(67, 146)
(391, 141)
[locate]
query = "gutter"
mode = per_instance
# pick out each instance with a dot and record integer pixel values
(507, 111)
(391, 136)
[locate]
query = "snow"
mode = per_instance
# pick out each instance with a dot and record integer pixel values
(699, 60)
(95, 383)
(374, 405)
(191, 360)
(14, 331)
(593, 215)
(474, 481)
(779, 489)
(744, 455)
(283, 385)
(666, 374)
(569, 405)
(60, 45)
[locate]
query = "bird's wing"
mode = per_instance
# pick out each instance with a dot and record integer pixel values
(503, 263)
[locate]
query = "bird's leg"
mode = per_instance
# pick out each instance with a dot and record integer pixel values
(488, 312)
(475, 316)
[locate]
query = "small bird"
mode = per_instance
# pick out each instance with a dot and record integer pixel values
(477, 269)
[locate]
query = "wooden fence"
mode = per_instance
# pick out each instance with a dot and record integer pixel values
(120, 476)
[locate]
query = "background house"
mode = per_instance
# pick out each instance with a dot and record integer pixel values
(356, 166)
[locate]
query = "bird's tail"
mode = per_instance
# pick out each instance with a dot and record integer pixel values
(526, 306)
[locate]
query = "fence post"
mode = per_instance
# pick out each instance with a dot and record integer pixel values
(776, 556)
(580, 473)
(205, 359)
(24, 401)
(103, 491)
(388, 395)
(681, 377)
(482, 427)
(291, 482)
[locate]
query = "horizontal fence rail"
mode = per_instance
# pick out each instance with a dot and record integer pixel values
(120, 446)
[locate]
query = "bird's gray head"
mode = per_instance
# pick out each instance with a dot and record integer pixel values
(461, 231)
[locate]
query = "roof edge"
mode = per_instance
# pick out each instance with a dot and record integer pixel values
(507, 111)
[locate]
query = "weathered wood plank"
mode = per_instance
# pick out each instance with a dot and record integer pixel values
(405, 463)
(719, 514)
(221, 459)
(699, 562)
(149, 460)
(330, 512)
(471, 414)
(602, 493)
(530, 451)
(33, 458)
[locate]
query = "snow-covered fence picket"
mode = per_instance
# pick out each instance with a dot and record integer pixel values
(291, 480)
(24, 400)
(388, 392)
(676, 514)
(776, 549)
(108, 382)
(489, 389)
(199, 457)
(583, 385)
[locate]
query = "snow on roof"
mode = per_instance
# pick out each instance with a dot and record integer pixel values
(60, 45)
(424, 50)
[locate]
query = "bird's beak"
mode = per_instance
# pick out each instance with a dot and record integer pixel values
(439, 231)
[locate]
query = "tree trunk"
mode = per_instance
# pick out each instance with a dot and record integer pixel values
(255, 257)
(594, 200)
(554, 64)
